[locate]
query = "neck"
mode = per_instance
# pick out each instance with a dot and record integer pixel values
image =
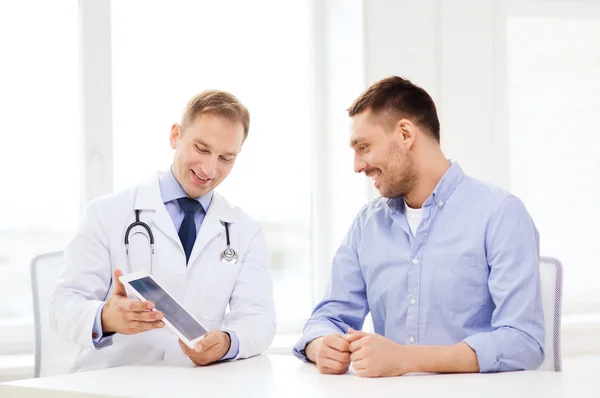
(429, 173)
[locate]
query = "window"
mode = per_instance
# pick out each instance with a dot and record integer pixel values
(554, 97)
(40, 152)
(171, 51)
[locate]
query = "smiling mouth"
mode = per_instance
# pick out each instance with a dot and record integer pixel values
(374, 176)
(201, 178)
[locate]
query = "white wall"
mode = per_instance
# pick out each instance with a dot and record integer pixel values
(450, 49)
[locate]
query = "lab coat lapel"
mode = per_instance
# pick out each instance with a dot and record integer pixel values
(212, 225)
(148, 198)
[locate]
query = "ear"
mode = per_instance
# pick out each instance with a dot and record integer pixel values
(175, 135)
(406, 131)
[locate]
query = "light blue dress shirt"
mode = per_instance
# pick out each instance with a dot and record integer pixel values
(471, 274)
(170, 191)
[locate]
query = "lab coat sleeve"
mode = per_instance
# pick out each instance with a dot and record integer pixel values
(83, 282)
(252, 310)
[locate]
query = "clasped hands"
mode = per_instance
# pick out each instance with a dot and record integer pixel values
(372, 355)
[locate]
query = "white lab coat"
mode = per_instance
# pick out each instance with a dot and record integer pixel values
(205, 287)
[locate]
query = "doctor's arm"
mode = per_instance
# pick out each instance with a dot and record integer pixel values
(84, 280)
(251, 320)
(77, 307)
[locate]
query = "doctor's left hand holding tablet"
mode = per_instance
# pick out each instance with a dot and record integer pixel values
(208, 254)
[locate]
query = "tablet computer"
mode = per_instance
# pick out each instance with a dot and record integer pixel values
(184, 325)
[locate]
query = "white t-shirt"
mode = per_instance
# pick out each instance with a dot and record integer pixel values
(414, 217)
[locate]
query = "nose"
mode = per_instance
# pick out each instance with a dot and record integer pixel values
(209, 167)
(359, 164)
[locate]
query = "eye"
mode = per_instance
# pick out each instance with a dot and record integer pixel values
(226, 159)
(201, 150)
(363, 148)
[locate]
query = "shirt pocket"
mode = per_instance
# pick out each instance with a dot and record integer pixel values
(459, 284)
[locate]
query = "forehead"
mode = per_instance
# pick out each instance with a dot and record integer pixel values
(217, 132)
(363, 127)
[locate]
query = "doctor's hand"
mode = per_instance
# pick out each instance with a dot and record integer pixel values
(331, 353)
(125, 316)
(376, 356)
(211, 348)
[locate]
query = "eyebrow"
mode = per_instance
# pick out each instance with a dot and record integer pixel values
(356, 141)
(204, 144)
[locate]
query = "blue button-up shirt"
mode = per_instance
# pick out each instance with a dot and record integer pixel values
(471, 273)
(170, 191)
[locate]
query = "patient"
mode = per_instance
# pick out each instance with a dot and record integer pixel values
(447, 265)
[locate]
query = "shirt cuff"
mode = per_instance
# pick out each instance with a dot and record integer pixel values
(309, 335)
(98, 338)
(485, 350)
(234, 348)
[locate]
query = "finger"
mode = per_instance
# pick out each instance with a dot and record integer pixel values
(119, 289)
(335, 355)
(354, 335)
(210, 340)
(186, 350)
(359, 365)
(146, 316)
(356, 345)
(337, 342)
(365, 373)
(332, 364)
(357, 355)
(327, 371)
(137, 306)
(142, 326)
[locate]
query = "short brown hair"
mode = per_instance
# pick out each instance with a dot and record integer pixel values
(396, 98)
(216, 102)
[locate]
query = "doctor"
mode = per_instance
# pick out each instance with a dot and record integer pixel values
(187, 220)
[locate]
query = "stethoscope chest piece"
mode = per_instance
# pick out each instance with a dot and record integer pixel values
(229, 256)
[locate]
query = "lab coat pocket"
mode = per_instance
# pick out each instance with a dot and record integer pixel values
(459, 284)
(217, 289)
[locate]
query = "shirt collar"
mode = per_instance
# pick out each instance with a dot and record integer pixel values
(446, 186)
(443, 190)
(171, 190)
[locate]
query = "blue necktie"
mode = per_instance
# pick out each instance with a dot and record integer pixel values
(187, 231)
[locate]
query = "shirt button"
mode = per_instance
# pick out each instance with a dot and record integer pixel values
(94, 335)
(411, 339)
(415, 261)
(441, 203)
(413, 301)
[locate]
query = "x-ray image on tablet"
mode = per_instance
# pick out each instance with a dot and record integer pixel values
(180, 321)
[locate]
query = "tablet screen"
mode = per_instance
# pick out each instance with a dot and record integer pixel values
(174, 313)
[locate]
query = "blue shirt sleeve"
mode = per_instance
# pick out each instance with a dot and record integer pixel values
(345, 303)
(234, 348)
(516, 341)
(98, 338)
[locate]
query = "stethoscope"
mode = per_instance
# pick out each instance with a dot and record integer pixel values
(229, 256)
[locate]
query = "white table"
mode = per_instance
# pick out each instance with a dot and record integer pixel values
(285, 376)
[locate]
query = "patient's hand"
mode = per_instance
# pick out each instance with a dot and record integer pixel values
(331, 353)
(373, 355)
